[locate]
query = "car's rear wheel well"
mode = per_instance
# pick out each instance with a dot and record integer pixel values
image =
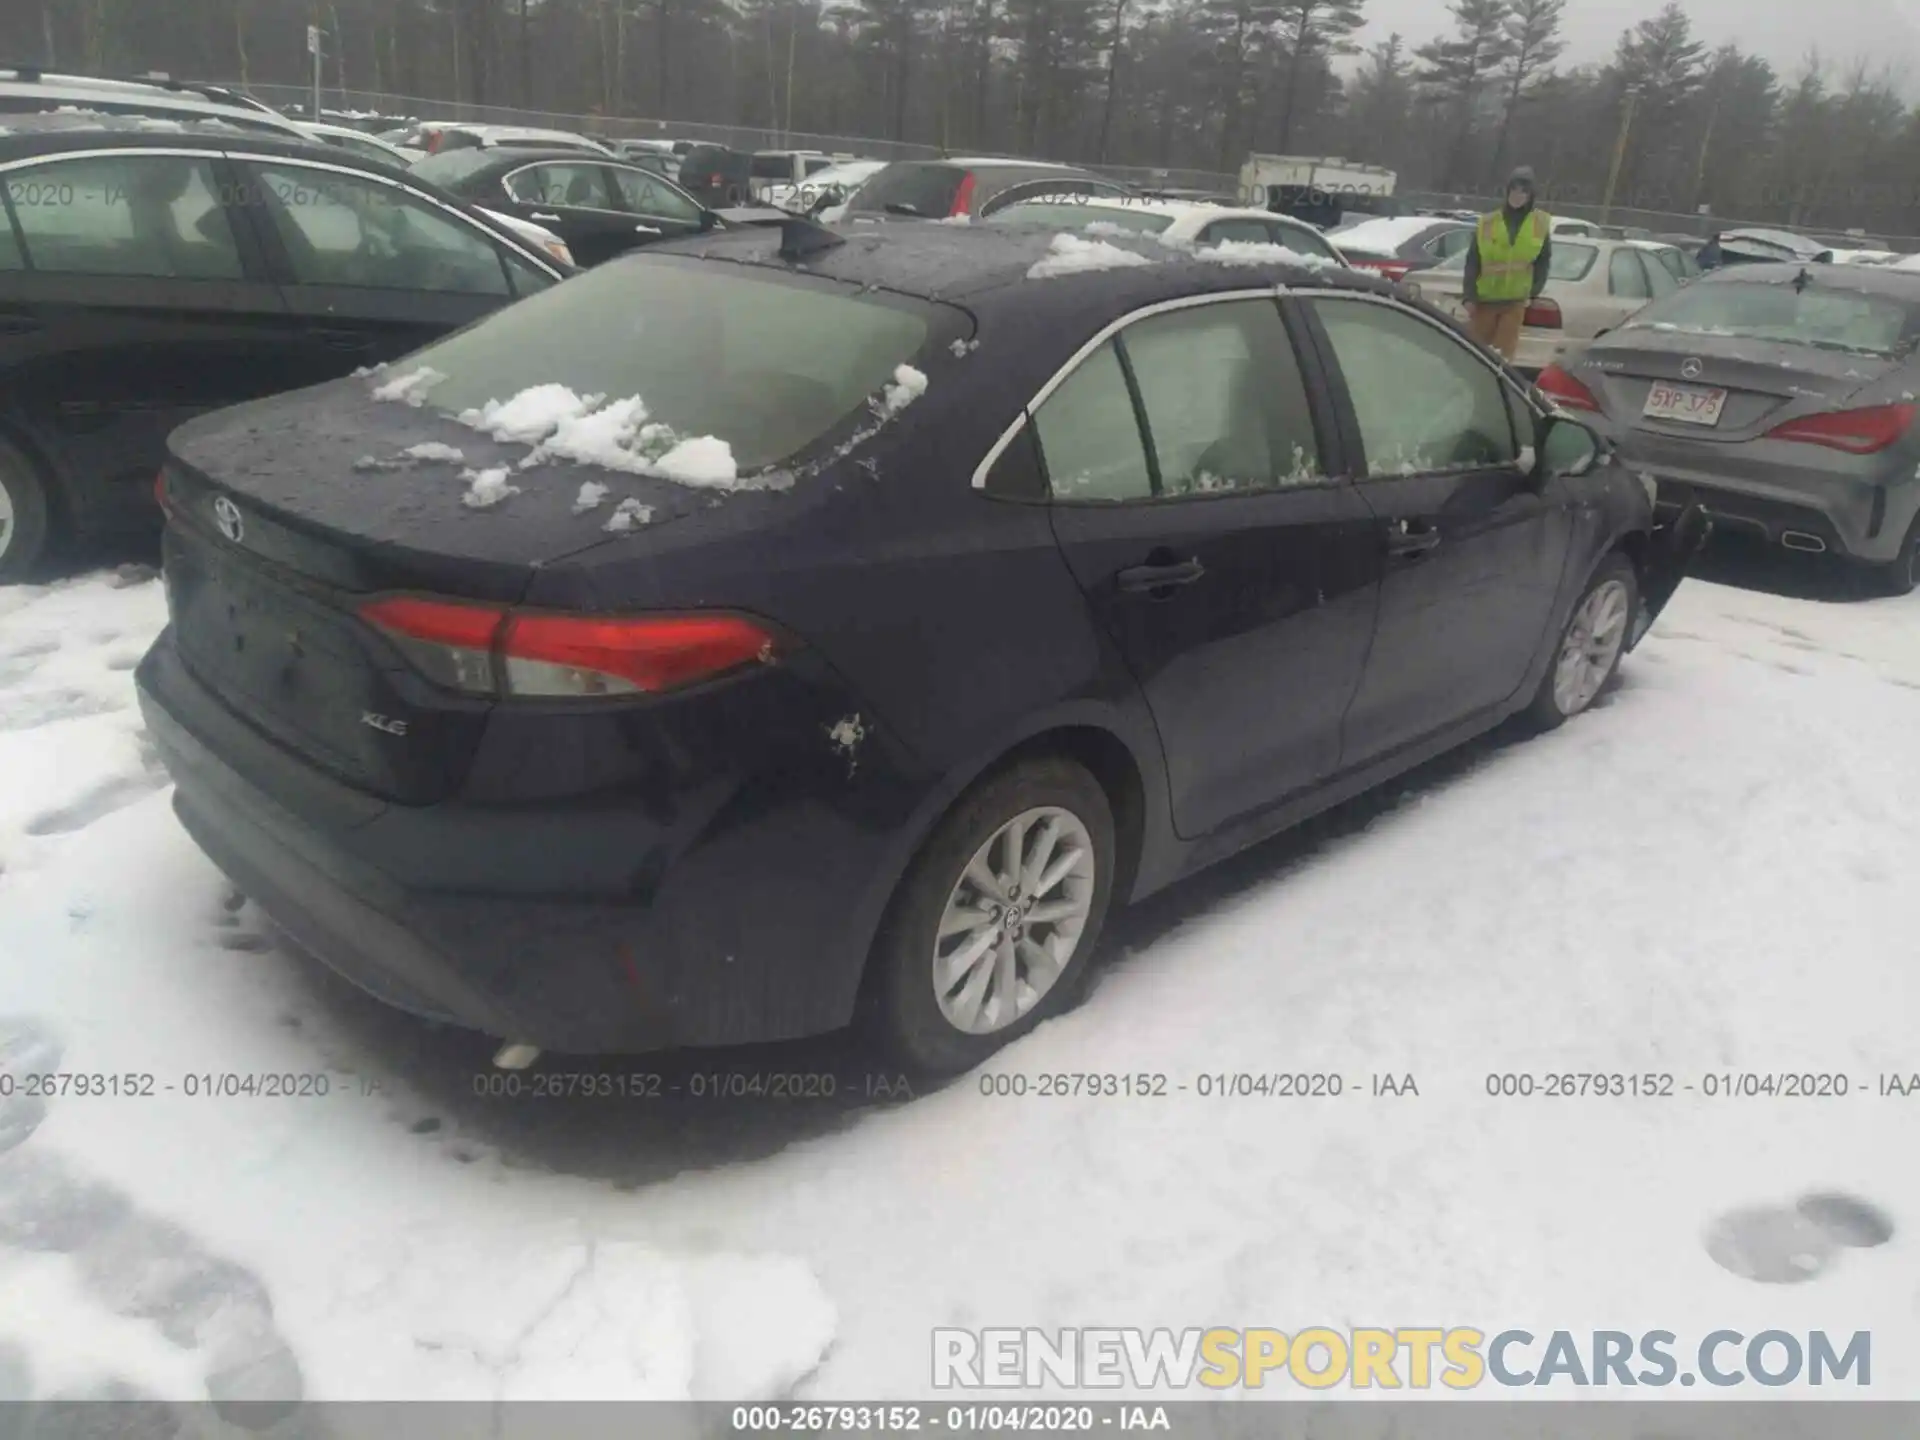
(1634, 547)
(1106, 757)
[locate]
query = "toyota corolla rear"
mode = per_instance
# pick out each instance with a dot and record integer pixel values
(405, 719)
(1782, 398)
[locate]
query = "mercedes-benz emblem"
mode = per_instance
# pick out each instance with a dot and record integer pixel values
(1690, 370)
(226, 515)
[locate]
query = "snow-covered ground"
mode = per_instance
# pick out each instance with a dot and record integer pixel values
(1712, 872)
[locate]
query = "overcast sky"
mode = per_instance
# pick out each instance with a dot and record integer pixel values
(1780, 31)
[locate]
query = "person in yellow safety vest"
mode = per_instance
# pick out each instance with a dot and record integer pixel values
(1507, 266)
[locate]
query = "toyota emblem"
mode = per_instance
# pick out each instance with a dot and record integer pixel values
(226, 515)
(1690, 370)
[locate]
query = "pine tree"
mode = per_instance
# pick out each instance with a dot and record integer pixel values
(1458, 68)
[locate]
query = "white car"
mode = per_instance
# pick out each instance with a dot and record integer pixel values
(1178, 222)
(1592, 285)
(437, 135)
(1393, 245)
(356, 142)
(838, 181)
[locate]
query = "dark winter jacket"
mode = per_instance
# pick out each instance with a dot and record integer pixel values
(1523, 175)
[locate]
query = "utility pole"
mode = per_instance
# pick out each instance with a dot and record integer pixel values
(313, 49)
(1619, 153)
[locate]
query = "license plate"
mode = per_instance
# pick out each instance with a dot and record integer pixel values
(1684, 404)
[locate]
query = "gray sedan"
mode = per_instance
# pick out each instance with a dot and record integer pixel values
(1779, 397)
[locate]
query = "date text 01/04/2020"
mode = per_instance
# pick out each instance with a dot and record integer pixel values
(203, 1084)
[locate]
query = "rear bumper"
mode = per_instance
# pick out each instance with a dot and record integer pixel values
(1855, 521)
(757, 930)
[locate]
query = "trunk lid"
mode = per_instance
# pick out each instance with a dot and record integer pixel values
(286, 515)
(1766, 382)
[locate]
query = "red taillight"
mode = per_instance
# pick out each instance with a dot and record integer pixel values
(1542, 314)
(1566, 391)
(160, 490)
(1858, 432)
(1392, 269)
(581, 655)
(482, 649)
(434, 137)
(962, 197)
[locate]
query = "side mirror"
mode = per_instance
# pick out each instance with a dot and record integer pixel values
(1564, 446)
(708, 221)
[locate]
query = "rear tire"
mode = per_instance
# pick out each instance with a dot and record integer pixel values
(1900, 575)
(1029, 928)
(26, 517)
(1587, 653)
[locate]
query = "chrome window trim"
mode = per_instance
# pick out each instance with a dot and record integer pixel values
(1079, 357)
(397, 182)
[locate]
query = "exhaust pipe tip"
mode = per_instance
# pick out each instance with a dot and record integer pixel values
(1800, 540)
(516, 1055)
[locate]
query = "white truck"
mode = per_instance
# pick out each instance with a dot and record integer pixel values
(1318, 189)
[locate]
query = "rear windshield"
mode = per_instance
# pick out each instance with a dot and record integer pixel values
(767, 365)
(1070, 216)
(773, 167)
(1828, 319)
(910, 189)
(450, 167)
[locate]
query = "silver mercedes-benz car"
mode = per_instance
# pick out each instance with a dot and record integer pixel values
(1781, 398)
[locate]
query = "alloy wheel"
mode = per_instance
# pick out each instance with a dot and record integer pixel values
(1594, 637)
(1013, 920)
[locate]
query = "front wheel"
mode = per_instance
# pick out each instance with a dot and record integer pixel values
(1589, 649)
(991, 928)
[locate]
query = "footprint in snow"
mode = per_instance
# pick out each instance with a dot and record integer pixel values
(51, 708)
(135, 1265)
(93, 805)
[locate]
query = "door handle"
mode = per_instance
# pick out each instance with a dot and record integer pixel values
(646, 230)
(342, 339)
(1403, 541)
(18, 322)
(549, 219)
(1159, 577)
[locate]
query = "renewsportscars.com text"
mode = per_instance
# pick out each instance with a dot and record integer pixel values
(1456, 1358)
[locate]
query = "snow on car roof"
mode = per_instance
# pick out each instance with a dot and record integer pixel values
(1384, 232)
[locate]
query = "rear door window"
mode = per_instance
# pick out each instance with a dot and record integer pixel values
(1225, 405)
(644, 194)
(1300, 240)
(911, 189)
(1089, 434)
(578, 186)
(1627, 277)
(341, 229)
(1252, 232)
(125, 214)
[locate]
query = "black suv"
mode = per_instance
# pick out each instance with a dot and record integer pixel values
(149, 276)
